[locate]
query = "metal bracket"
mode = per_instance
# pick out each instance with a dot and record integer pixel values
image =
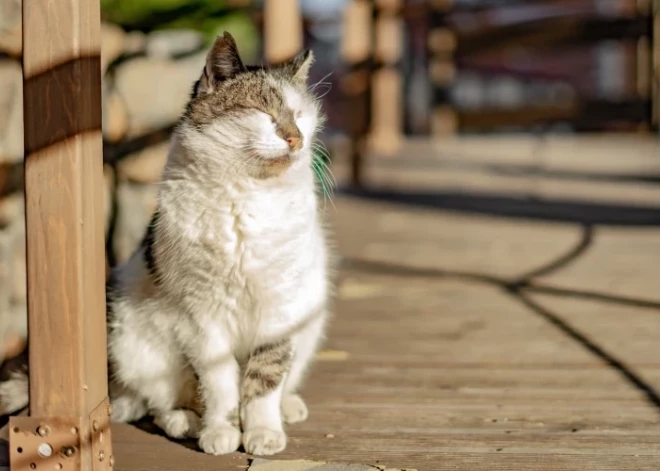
(57, 443)
(102, 458)
(44, 443)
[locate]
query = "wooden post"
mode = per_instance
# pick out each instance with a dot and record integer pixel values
(68, 427)
(387, 84)
(356, 51)
(283, 30)
(442, 70)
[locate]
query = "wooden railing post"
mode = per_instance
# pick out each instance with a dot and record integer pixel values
(387, 83)
(442, 69)
(356, 52)
(68, 427)
(283, 30)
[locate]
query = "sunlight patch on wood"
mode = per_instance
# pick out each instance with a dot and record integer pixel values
(332, 355)
(351, 289)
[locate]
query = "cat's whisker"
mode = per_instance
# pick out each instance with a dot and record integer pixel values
(313, 87)
(325, 94)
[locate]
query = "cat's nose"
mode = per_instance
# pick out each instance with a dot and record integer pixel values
(293, 142)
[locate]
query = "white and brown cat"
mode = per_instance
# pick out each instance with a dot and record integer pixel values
(225, 302)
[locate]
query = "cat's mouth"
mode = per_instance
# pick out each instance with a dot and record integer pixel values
(277, 161)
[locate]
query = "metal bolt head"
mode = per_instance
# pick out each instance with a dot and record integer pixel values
(45, 450)
(101, 455)
(69, 451)
(43, 430)
(95, 426)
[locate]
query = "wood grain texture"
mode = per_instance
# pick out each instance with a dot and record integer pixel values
(64, 207)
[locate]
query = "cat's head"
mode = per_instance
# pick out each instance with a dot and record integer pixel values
(263, 120)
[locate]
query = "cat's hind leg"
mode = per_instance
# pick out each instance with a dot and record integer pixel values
(178, 423)
(154, 374)
(127, 405)
(183, 421)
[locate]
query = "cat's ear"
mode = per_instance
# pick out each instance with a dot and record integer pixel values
(299, 66)
(222, 63)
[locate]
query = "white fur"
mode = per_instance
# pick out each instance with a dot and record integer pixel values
(243, 261)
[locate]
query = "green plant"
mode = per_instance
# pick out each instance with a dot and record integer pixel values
(321, 167)
(210, 17)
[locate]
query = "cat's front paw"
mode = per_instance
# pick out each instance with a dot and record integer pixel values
(263, 441)
(294, 409)
(220, 440)
(179, 423)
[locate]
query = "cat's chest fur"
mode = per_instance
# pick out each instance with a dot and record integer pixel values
(248, 255)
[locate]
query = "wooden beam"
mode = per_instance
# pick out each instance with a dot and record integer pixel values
(65, 239)
(283, 30)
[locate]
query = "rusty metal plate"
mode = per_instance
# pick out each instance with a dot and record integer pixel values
(38, 443)
(102, 459)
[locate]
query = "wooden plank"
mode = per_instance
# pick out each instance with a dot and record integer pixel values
(64, 210)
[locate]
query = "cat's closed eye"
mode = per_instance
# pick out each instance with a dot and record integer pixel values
(271, 116)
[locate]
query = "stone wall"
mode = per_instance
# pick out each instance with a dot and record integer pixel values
(147, 80)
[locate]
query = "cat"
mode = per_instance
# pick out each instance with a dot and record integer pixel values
(213, 321)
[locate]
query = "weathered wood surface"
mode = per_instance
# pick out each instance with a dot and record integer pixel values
(452, 366)
(64, 211)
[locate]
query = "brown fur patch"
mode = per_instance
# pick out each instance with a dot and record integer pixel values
(265, 369)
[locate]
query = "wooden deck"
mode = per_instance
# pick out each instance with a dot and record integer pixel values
(474, 342)
(490, 331)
